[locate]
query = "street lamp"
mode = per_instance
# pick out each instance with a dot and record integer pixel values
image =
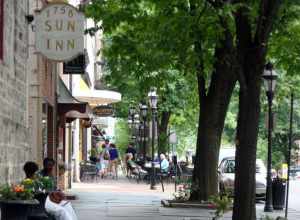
(136, 129)
(153, 104)
(144, 111)
(131, 119)
(269, 77)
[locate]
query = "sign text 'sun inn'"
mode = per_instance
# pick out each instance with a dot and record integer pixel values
(60, 32)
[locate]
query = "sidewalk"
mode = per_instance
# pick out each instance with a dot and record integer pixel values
(124, 200)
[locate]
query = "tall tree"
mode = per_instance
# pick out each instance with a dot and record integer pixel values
(150, 38)
(252, 40)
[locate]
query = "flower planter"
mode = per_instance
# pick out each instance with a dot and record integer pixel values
(16, 209)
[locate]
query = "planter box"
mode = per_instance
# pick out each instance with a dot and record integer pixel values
(16, 209)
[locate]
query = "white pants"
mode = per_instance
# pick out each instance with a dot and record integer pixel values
(61, 211)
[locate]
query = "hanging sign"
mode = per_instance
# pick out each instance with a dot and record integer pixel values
(60, 32)
(103, 111)
(75, 66)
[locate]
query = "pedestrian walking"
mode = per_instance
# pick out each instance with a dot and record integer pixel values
(93, 157)
(106, 144)
(104, 160)
(113, 160)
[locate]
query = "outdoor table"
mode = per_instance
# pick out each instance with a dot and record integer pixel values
(16, 209)
(149, 165)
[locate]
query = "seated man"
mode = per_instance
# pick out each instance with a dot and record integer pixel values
(48, 171)
(58, 207)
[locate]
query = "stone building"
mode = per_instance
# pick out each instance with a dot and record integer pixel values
(42, 75)
(15, 148)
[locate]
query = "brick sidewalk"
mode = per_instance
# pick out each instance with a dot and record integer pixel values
(127, 200)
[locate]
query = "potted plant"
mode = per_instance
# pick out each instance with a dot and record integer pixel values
(183, 193)
(16, 197)
(222, 204)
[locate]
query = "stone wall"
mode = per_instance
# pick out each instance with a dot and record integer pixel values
(15, 148)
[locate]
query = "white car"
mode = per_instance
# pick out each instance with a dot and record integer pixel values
(226, 176)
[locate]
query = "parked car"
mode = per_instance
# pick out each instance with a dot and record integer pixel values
(226, 176)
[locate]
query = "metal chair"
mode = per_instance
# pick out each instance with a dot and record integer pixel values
(88, 171)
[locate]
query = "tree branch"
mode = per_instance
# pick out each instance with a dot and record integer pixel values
(243, 29)
(267, 12)
(201, 87)
(215, 3)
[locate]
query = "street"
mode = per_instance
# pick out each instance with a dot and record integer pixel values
(113, 200)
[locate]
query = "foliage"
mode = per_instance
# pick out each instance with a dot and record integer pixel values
(184, 192)
(45, 183)
(153, 43)
(15, 192)
(223, 203)
(122, 135)
(38, 185)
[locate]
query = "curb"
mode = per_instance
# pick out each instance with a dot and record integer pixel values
(174, 204)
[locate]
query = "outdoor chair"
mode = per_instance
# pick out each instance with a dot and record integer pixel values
(164, 176)
(135, 173)
(88, 171)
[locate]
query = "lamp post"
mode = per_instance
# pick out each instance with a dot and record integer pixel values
(131, 119)
(136, 130)
(269, 77)
(144, 111)
(153, 104)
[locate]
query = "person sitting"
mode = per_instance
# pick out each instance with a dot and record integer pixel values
(131, 150)
(57, 206)
(37, 212)
(30, 168)
(133, 167)
(164, 164)
(47, 171)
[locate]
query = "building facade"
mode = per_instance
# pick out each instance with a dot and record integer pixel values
(15, 147)
(43, 111)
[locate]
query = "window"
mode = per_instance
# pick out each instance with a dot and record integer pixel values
(1, 28)
(230, 166)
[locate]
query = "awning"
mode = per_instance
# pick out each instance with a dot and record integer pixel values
(69, 107)
(96, 97)
(72, 115)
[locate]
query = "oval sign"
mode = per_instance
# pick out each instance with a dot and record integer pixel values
(60, 32)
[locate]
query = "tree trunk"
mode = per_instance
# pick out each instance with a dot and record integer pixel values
(213, 108)
(246, 140)
(163, 132)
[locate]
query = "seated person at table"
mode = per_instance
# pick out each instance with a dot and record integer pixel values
(57, 206)
(164, 163)
(130, 150)
(132, 166)
(48, 171)
(30, 168)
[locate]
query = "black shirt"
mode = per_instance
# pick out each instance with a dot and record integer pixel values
(131, 150)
